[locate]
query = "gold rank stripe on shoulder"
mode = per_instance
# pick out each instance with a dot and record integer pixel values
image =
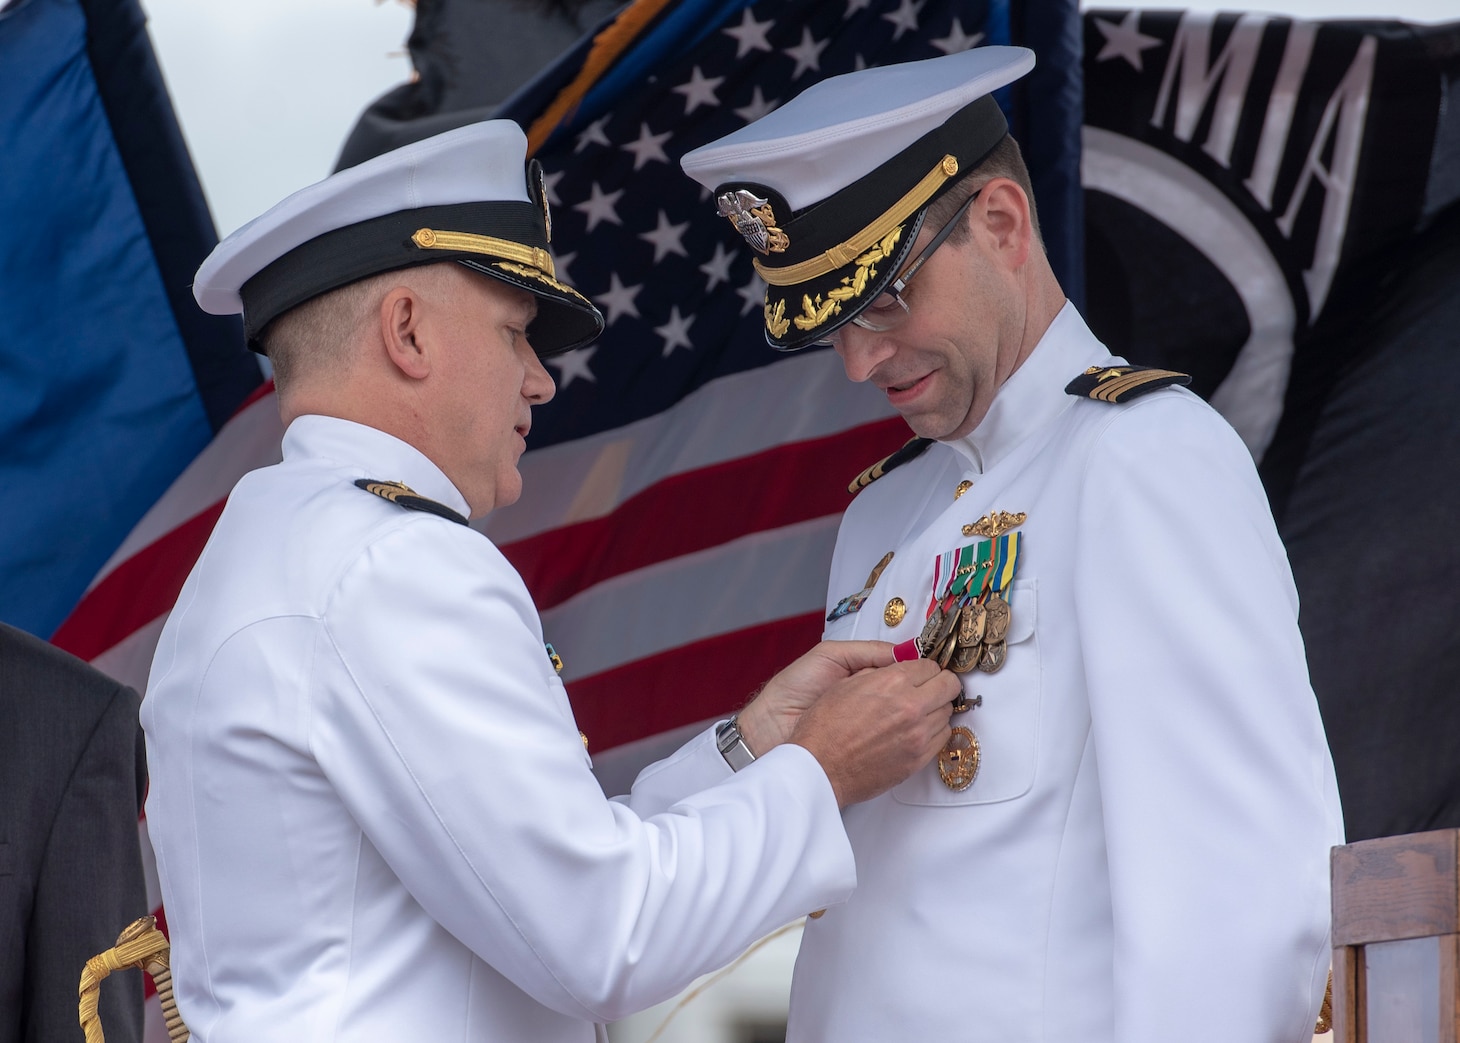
(1117, 384)
(402, 495)
(910, 450)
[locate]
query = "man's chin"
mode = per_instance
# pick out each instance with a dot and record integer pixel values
(509, 490)
(925, 426)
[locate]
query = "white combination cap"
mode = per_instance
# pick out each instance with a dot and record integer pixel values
(467, 195)
(830, 188)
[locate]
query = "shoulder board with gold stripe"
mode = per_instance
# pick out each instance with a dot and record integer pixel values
(403, 495)
(1122, 383)
(910, 450)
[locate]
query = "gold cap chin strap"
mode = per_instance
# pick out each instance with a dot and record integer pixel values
(470, 242)
(845, 252)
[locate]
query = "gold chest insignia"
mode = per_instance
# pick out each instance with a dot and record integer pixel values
(995, 524)
(754, 219)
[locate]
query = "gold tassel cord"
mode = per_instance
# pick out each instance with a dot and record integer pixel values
(606, 48)
(1325, 1013)
(142, 946)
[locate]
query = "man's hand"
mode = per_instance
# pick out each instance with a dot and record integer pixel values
(771, 717)
(871, 731)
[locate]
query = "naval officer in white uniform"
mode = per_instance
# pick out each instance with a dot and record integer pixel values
(1126, 837)
(373, 813)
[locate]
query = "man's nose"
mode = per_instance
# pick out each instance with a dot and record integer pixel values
(861, 351)
(537, 384)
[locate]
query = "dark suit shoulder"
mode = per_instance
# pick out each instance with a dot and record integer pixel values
(36, 677)
(52, 706)
(72, 770)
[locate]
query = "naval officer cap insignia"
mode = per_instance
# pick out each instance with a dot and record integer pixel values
(467, 195)
(830, 189)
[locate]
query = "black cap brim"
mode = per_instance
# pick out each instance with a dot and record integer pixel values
(476, 235)
(837, 255)
(565, 318)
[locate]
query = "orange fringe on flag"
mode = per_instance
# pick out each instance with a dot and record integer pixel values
(607, 46)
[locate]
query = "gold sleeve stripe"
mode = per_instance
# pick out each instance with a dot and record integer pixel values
(845, 253)
(469, 242)
(911, 450)
(867, 477)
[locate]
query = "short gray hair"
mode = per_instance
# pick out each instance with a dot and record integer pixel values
(317, 335)
(1006, 160)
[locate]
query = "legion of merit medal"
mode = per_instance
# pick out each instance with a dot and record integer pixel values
(968, 620)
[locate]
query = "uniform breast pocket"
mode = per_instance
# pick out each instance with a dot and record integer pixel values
(1005, 720)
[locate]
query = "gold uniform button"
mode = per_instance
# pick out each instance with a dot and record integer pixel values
(963, 487)
(893, 613)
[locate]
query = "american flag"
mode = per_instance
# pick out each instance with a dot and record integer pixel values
(683, 489)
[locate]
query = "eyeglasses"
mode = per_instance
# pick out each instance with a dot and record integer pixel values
(889, 309)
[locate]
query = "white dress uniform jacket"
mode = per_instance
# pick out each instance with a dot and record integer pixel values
(373, 813)
(1143, 857)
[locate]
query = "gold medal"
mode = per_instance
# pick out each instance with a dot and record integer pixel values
(934, 637)
(998, 619)
(971, 623)
(958, 760)
(949, 627)
(993, 657)
(947, 647)
(965, 658)
(928, 638)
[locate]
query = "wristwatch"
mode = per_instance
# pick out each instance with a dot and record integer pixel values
(731, 744)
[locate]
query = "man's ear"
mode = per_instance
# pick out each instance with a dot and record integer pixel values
(402, 315)
(1004, 214)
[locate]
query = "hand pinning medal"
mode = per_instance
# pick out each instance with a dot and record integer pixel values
(967, 623)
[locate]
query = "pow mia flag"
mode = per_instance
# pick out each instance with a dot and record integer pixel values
(1272, 207)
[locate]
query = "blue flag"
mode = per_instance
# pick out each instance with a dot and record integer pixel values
(113, 379)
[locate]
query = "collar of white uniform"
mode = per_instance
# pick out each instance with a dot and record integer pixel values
(1034, 394)
(371, 453)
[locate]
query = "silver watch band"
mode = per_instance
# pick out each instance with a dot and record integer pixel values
(732, 745)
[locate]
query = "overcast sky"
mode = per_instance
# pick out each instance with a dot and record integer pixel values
(266, 90)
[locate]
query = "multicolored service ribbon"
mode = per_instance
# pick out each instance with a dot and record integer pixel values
(1005, 562)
